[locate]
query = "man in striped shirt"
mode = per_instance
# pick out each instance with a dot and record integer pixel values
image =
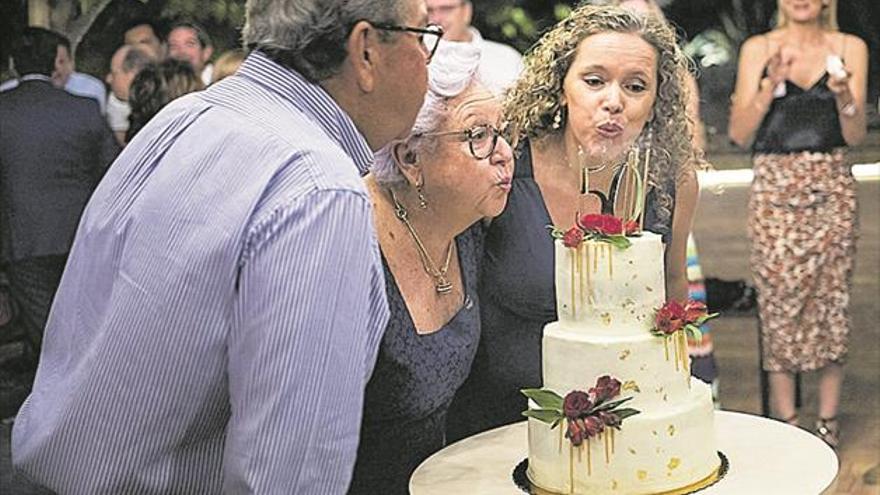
(222, 306)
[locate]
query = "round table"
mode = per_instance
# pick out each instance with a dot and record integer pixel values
(766, 456)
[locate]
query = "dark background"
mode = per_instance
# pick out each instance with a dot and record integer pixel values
(711, 31)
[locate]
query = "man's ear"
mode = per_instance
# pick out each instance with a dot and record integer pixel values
(206, 54)
(468, 12)
(407, 161)
(363, 54)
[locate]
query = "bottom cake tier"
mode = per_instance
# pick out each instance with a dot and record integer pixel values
(654, 452)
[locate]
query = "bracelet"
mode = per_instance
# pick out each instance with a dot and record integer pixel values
(848, 110)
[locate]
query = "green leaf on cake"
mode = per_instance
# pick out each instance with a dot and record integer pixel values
(626, 412)
(550, 416)
(607, 406)
(618, 241)
(546, 399)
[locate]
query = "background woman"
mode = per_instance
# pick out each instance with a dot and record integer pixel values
(155, 86)
(603, 80)
(428, 191)
(799, 100)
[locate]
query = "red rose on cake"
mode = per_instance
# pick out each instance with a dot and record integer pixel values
(670, 318)
(573, 237)
(606, 388)
(602, 224)
(576, 403)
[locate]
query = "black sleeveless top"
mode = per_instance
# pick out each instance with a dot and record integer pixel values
(517, 298)
(802, 120)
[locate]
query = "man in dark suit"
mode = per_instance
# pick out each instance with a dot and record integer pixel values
(54, 148)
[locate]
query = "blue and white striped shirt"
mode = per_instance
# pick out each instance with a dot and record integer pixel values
(222, 305)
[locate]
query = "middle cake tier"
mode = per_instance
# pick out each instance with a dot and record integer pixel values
(653, 370)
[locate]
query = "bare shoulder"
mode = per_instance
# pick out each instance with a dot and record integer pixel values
(855, 45)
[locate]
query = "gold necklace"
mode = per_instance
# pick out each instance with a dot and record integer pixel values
(441, 284)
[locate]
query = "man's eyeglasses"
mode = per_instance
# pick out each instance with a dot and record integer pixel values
(481, 139)
(429, 36)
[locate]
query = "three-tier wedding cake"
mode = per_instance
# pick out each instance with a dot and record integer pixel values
(618, 411)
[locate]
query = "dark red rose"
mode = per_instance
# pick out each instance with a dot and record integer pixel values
(609, 419)
(606, 388)
(670, 318)
(573, 237)
(593, 426)
(602, 224)
(575, 404)
(694, 310)
(575, 432)
(630, 227)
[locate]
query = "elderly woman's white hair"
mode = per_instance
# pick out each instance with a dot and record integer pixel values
(453, 70)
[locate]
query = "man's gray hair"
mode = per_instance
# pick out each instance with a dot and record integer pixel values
(309, 36)
(452, 73)
(135, 59)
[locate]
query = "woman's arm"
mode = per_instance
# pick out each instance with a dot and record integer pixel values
(850, 91)
(686, 196)
(753, 93)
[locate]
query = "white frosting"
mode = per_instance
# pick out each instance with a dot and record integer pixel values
(600, 286)
(606, 300)
(655, 451)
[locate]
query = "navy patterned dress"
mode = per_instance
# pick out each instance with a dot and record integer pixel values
(413, 383)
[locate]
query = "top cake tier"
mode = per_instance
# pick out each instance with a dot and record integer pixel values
(597, 284)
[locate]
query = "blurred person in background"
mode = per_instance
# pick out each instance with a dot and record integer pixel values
(499, 64)
(65, 76)
(189, 42)
(227, 63)
(54, 150)
(124, 66)
(799, 102)
(155, 86)
(144, 34)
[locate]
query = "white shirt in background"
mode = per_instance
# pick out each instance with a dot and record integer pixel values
(500, 64)
(117, 113)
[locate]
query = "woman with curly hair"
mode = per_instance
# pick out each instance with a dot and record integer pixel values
(601, 82)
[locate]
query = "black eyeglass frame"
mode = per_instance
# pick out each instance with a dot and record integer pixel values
(468, 135)
(431, 29)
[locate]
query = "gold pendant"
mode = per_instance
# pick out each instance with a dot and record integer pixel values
(443, 286)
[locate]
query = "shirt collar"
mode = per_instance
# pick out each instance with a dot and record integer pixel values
(35, 77)
(314, 101)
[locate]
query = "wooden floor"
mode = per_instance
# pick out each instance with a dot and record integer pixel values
(720, 232)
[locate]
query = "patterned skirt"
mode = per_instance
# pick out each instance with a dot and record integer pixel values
(802, 226)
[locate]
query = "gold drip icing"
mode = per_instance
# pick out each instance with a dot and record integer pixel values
(573, 265)
(561, 436)
(589, 277)
(610, 262)
(589, 459)
(666, 347)
(676, 347)
(607, 440)
(596, 258)
(612, 441)
(570, 468)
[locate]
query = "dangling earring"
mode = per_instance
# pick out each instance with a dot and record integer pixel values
(423, 203)
(558, 117)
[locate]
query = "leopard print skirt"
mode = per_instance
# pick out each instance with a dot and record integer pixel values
(802, 225)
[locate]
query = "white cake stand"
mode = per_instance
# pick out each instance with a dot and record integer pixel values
(765, 456)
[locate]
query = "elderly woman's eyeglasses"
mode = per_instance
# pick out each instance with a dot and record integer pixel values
(429, 36)
(481, 139)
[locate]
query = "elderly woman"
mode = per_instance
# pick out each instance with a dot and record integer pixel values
(601, 82)
(429, 192)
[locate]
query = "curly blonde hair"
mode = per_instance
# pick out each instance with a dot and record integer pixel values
(533, 102)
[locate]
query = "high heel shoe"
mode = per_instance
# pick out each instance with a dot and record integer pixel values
(828, 430)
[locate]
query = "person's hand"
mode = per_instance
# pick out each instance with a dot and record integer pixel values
(839, 85)
(778, 66)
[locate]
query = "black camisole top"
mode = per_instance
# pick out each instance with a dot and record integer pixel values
(802, 120)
